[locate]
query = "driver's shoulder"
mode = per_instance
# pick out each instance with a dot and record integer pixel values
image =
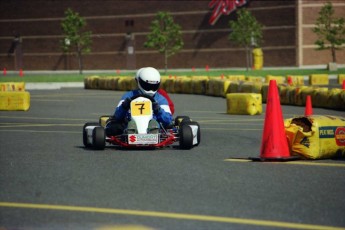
(160, 98)
(130, 94)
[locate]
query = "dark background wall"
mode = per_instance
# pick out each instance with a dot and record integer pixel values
(38, 23)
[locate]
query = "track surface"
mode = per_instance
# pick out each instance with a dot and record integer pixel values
(49, 181)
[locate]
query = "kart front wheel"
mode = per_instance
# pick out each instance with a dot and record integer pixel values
(98, 138)
(186, 137)
(198, 132)
(85, 142)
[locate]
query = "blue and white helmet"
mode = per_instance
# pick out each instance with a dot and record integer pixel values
(148, 79)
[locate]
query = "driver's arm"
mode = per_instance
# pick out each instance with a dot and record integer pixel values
(122, 108)
(120, 112)
(164, 114)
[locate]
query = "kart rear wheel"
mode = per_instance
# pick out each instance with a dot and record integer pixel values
(98, 138)
(86, 144)
(186, 137)
(198, 135)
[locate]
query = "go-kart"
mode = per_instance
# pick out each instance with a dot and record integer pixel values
(184, 132)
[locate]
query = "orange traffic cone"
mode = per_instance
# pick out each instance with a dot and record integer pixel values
(289, 80)
(343, 87)
(308, 107)
(274, 146)
(21, 73)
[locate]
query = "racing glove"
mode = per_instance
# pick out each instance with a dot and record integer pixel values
(126, 104)
(156, 107)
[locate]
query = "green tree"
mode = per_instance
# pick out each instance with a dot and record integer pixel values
(165, 36)
(75, 38)
(330, 30)
(246, 32)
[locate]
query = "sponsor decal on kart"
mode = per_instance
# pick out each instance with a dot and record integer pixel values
(142, 139)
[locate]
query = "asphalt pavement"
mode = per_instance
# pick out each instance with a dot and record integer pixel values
(48, 180)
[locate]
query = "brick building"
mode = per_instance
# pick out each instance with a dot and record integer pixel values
(119, 30)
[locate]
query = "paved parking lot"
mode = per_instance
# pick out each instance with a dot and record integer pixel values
(48, 180)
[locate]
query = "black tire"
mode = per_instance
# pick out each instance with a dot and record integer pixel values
(180, 119)
(186, 137)
(85, 134)
(98, 138)
(198, 135)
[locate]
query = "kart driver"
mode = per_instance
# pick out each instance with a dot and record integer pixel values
(148, 80)
(163, 93)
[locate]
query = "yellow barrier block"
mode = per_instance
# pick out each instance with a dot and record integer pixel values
(199, 85)
(14, 101)
(200, 78)
(250, 87)
(186, 86)
(258, 58)
(302, 93)
(341, 78)
(217, 87)
(178, 84)
(279, 79)
(168, 84)
(226, 88)
(113, 83)
(245, 87)
(255, 79)
(12, 86)
(336, 99)
(91, 82)
(316, 137)
(320, 97)
(295, 80)
(126, 83)
(102, 83)
(318, 79)
(244, 103)
(287, 94)
(212, 86)
(236, 77)
(132, 83)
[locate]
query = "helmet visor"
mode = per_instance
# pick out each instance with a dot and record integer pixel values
(148, 86)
